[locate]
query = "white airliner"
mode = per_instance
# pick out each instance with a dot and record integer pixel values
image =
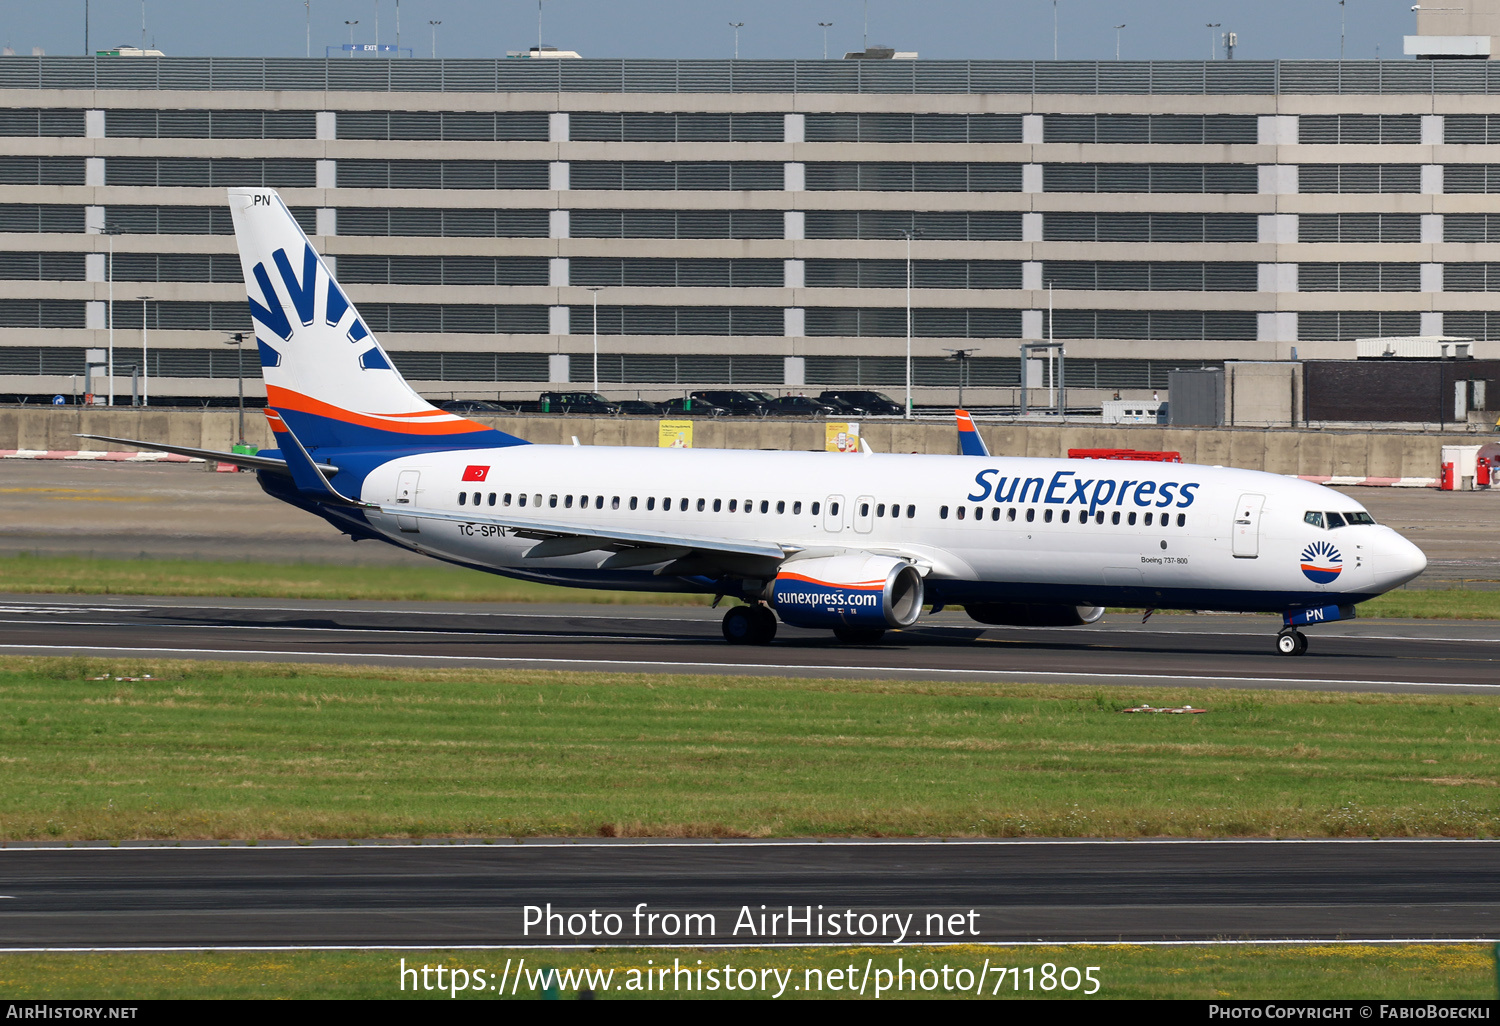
(853, 543)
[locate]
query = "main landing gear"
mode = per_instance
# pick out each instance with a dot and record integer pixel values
(1291, 643)
(749, 625)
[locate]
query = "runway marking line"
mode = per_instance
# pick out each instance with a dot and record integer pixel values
(842, 842)
(1028, 675)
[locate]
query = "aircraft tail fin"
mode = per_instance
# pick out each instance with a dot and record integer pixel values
(970, 442)
(326, 374)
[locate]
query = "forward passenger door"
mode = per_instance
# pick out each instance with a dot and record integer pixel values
(1247, 526)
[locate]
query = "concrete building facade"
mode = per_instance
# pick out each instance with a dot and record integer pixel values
(745, 223)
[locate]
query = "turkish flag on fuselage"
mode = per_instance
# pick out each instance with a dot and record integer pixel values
(475, 473)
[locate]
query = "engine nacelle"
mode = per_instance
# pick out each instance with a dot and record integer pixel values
(857, 589)
(1024, 614)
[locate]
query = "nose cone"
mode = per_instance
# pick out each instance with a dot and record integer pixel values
(1397, 561)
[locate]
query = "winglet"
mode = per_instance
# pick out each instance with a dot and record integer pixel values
(309, 480)
(970, 442)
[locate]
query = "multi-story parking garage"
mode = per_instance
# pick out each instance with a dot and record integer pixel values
(746, 222)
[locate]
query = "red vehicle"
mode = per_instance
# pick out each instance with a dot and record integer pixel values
(1124, 454)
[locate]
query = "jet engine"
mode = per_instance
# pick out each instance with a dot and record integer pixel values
(854, 590)
(1024, 614)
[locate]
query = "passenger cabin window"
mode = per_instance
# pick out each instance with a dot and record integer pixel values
(911, 511)
(1335, 520)
(942, 512)
(765, 506)
(718, 505)
(1065, 516)
(962, 510)
(781, 506)
(463, 497)
(536, 500)
(702, 505)
(734, 505)
(1030, 515)
(651, 502)
(1010, 514)
(632, 502)
(833, 509)
(567, 502)
(507, 498)
(815, 507)
(1114, 518)
(796, 508)
(614, 503)
(682, 506)
(1182, 520)
(880, 510)
(1046, 516)
(1131, 519)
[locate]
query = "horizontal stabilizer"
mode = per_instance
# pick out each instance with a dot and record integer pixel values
(238, 459)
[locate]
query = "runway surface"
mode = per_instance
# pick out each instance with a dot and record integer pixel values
(475, 895)
(1216, 651)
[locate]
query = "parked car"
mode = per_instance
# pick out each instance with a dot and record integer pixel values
(870, 404)
(802, 406)
(738, 403)
(638, 408)
(473, 407)
(577, 402)
(691, 408)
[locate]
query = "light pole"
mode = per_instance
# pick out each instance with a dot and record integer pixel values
(1341, 29)
(736, 25)
(539, 27)
(111, 231)
(962, 356)
(308, 4)
(595, 290)
(351, 25)
(234, 340)
(1117, 41)
(145, 354)
(1054, 29)
(377, 23)
(910, 234)
(866, 43)
(1213, 50)
(825, 26)
(434, 25)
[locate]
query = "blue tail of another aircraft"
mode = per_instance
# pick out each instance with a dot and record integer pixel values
(970, 443)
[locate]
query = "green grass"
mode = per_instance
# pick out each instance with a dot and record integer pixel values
(439, 582)
(1434, 604)
(1330, 971)
(283, 751)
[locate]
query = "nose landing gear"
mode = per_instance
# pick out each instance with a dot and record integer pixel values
(749, 625)
(1291, 643)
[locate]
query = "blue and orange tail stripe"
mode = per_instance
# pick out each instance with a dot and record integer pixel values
(970, 442)
(318, 424)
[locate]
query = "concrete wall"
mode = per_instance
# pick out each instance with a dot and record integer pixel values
(1343, 454)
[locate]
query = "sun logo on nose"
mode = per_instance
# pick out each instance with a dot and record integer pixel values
(1322, 562)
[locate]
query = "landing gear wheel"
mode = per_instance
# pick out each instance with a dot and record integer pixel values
(858, 635)
(739, 626)
(765, 625)
(749, 625)
(1291, 643)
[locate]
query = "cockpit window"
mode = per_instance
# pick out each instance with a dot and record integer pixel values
(1359, 518)
(1335, 520)
(1314, 517)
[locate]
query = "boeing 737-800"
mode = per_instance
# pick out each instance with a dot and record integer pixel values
(857, 544)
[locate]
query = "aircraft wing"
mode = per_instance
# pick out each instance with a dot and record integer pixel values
(236, 458)
(559, 538)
